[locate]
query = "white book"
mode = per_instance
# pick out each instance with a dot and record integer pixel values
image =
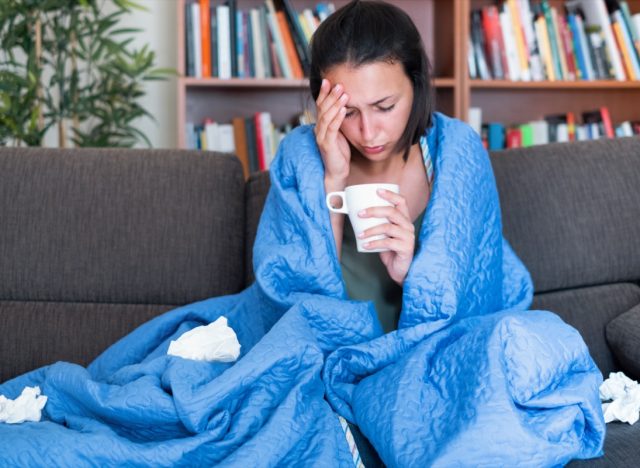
(593, 130)
(258, 44)
(635, 21)
(513, 61)
(596, 13)
(226, 143)
(626, 128)
(562, 133)
(223, 32)
(540, 131)
(266, 126)
(475, 119)
(535, 63)
(210, 136)
(581, 133)
(197, 45)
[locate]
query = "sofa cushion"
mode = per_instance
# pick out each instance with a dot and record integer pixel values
(34, 334)
(621, 448)
(589, 310)
(119, 225)
(623, 336)
(572, 211)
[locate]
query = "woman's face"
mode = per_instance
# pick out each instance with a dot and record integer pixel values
(380, 100)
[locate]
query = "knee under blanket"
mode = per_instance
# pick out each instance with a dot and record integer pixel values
(470, 376)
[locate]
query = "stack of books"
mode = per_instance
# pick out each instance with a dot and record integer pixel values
(564, 127)
(253, 139)
(268, 41)
(529, 40)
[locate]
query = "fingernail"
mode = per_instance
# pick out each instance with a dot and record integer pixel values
(362, 212)
(381, 191)
(361, 235)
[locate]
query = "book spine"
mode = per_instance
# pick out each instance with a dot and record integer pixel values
(627, 47)
(224, 41)
(289, 46)
(553, 43)
(564, 68)
(521, 46)
(197, 43)
(278, 40)
(188, 40)
(205, 38)
(510, 48)
(233, 60)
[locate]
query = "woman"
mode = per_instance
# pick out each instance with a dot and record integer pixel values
(465, 376)
(374, 102)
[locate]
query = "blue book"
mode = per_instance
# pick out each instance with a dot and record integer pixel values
(496, 136)
(573, 26)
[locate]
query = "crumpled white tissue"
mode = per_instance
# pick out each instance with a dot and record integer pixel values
(214, 342)
(625, 394)
(27, 407)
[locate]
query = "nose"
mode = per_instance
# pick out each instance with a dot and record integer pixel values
(366, 127)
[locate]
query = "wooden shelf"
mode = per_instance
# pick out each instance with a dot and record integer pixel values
(551, 85)
(280, 83)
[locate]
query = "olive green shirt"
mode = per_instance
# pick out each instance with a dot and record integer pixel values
(366, 278)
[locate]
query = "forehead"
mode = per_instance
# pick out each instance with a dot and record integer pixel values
(370, 82)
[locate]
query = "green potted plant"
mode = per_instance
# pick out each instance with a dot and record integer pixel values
(67, 64)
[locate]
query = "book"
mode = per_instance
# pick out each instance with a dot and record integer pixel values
(553, 40)
(595, 13)
(568, 48)
(189, 67)
(511, 53)
(475, 119)
(257, 44)
(626, 43)
(496, 136)
(540, 132)
(535, 61)
(545, 47)
(527, 135)
(298, 35)
(495, 51)
(240, 143)
(514, 137)
(252, 148)
(223, 24)
(624, 52)
(289, 45)
(197, 43)
(512, 7)
(582, 47)
(233, 47)
(205, 38)
(479, 47)
(564, 67)
(278, 40)
(606, 122)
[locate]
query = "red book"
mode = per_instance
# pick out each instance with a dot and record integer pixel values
(494, 42)
(514, 138)
(606, 122)
(571, 126)
(567, 46)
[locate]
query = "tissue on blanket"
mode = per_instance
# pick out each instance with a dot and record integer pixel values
(625, 394)
(214, 342)
(27, 407)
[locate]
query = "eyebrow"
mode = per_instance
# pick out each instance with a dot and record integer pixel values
(379, 101)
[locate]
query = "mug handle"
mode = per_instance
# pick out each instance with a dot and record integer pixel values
(343, 209)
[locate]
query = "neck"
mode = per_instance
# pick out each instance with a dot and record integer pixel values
(390, 170)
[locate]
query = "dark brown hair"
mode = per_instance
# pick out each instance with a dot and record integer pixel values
(363, 32)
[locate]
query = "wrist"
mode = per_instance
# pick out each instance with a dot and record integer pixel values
(334, 184)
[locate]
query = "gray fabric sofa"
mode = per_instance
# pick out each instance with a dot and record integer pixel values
(96, 242)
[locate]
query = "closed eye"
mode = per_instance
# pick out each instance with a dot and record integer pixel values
(386, 109)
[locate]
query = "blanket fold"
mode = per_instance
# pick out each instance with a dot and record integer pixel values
(470, 376)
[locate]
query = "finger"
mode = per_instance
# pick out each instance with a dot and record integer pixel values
(395, 199)
(330, 120)
(401, 248)
(389, 230)
(392, 213)
(325, 87)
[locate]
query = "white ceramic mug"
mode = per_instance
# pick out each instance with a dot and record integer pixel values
(359, 197)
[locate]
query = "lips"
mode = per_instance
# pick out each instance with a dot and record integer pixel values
(373, 149)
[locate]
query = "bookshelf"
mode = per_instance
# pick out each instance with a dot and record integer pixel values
(445, 26)
(520, 101)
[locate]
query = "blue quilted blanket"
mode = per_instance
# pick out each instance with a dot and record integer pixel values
(470, 377)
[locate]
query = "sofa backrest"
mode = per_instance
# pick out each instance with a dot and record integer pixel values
(94, 242)
(572, 211)
(143, 226)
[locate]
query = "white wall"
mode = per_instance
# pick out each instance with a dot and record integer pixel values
(159, 25)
